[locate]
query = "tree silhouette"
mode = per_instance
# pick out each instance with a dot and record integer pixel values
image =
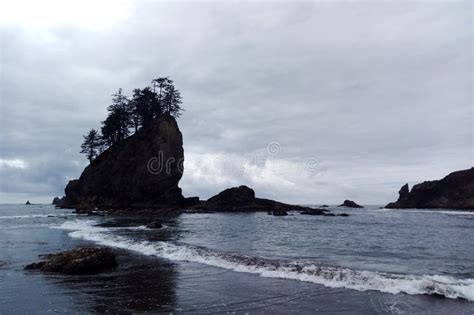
(160, 85)
(144, 104)
(91, 145)
(172, 101)
(127, 116)
(116, 126)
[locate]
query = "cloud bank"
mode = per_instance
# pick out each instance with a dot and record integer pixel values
(359, 97)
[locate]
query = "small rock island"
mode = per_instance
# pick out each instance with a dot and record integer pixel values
(350, 204)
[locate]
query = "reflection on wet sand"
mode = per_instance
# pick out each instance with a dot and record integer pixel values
(140, 284)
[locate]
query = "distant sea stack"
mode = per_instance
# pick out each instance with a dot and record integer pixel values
(455, 191)
(140, 171)
(350, 204)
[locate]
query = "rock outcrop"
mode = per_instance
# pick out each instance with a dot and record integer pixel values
(242, 199)
(58, 201)
(141, 171)
(278, 212)
(455, 191)
(27, 203)
(78, 261)
(350, 204)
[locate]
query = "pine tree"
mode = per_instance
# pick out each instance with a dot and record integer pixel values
(144, 104)
(172, 101)
(116, 126)
(91, 146)
(134, 106)
(160, 85)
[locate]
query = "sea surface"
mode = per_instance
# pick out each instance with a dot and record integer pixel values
(376, 261)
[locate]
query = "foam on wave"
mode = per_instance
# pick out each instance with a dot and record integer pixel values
(334, 277)
(32, 216)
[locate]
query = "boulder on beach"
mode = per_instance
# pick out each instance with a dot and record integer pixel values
(350, 204)
(77, 261)
(455, 191)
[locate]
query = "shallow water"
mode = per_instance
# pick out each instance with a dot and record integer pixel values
(375, 261)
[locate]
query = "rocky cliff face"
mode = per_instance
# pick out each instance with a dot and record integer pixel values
(455, 191)
(142, 170)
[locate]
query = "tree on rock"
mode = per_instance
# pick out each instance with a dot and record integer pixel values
(172, 101)
(126, 116)
(116, 126)
(91, 145)
(144, 106)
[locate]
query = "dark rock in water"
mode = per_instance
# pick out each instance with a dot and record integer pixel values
(27, 202)
(154, 225)
(329, 215)
(58, 201)
(140, 171)
(243, 199)
(455, 191)
(234, 197)
(350, 204)
(314, 212)
(279, 212)
(324, 206)
(342, 215)
(77, 261)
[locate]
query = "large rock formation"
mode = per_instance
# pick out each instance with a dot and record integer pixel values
(140, 171)
(455, 191)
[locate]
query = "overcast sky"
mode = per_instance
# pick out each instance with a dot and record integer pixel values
(309, 102)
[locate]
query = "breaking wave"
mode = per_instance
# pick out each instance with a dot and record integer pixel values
(333, 277)
(32, 216)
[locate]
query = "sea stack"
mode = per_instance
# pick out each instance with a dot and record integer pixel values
(141, 171)
(455, 191)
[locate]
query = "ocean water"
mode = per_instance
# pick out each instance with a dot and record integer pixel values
(375, 261)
